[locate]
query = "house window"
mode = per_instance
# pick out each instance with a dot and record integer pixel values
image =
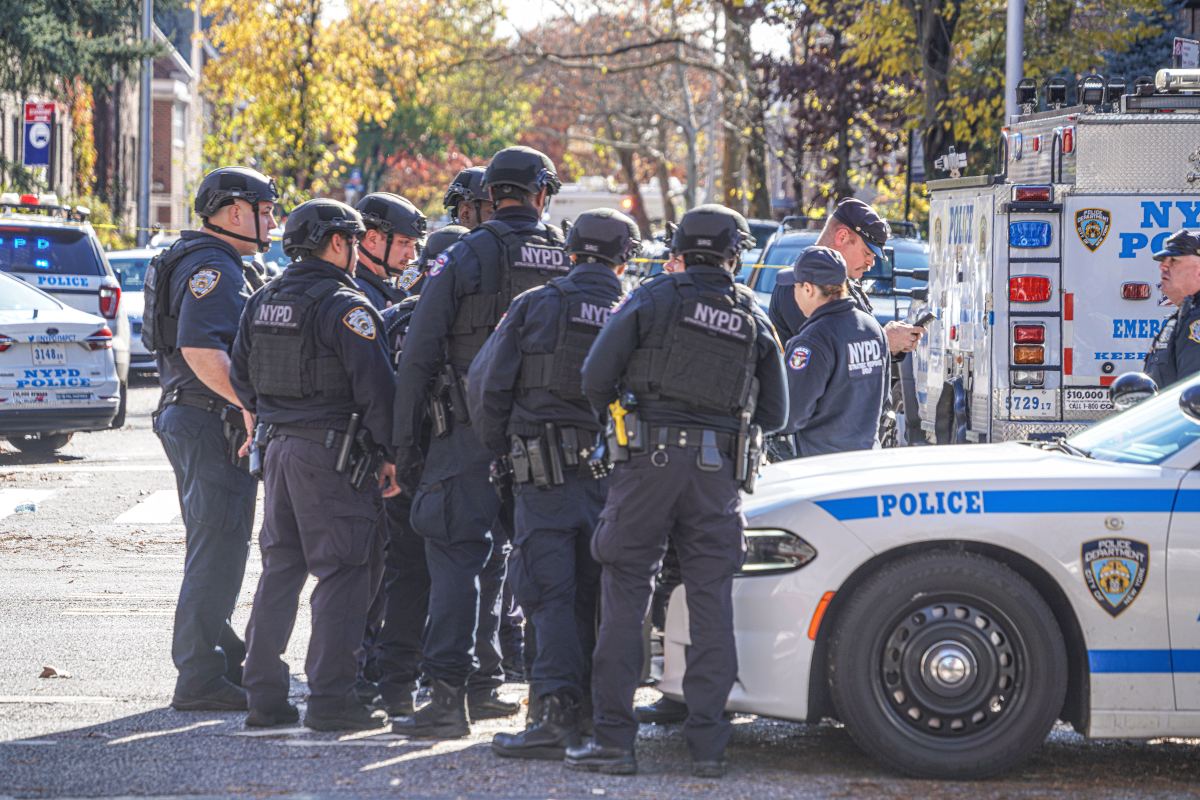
(178, 125)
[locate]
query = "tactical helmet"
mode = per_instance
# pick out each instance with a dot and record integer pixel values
(391, 214)
(522, 167)
(222, 186)
(713, 230)
(1132, 388)
(439, 241)
(467, 186)
(604, 234)
(311, 223)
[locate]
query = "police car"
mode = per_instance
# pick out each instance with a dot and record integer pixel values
(948, 604)
(57, 372)
(130, 268)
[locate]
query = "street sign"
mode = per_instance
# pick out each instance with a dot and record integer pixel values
(39, 133)
(1187, 53)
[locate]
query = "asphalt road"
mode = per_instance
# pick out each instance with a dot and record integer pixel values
(87, 587)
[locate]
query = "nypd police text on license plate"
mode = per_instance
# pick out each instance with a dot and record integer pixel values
(1031, 404)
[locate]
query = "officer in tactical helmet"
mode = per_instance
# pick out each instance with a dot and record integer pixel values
(194, 296)
(454, 505)
(467, 200)
(528, 406)
(1175, 352)
(311, 361)
(406, 577)
(694, 375)
(837, 365)
(395, 230)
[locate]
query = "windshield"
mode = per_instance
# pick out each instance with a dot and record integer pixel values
(48, 250)
(782, 254)
(130, 270)
(1148, 433)
(15, 295)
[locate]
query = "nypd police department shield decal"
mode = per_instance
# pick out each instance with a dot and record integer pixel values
(203, 282)
(1092, 225)
(359, 320)
(1114, 571)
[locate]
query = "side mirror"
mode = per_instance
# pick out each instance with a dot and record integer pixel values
(918, 274)
(1132, 388)
(919, 293)
(1189, 402)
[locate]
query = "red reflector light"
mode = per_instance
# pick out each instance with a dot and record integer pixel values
(110, 300)
(1029, 354)
(1029, 334)
(1068, 140)
(29, 199)
(1135, 291)
(1029, 289)
(1032, 194)
(953, 332)
(100, 340)
(6, 342)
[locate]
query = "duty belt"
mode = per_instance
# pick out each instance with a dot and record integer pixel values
(192, 399)
(544, 459)
(672, 436)
(324, 436)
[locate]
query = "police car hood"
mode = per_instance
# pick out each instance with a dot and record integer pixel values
(910, 469)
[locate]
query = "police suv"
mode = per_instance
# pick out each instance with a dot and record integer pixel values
(1041, 277)
(948, 604)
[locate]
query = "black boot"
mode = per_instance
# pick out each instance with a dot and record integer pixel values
(487, 704)
(398, 700)
(663, 712)
(351, 716)
(445, 717)
(595, 757)
(273, 716)
(549, 737)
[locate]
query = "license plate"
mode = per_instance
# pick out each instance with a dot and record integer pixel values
(21, 398)
(1031, 404)
(1087, 399)
(45, 355)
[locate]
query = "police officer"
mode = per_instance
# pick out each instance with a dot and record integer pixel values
(454, 506)
(467, 200)
(194, 296)
(527, 403)
(857, 232)
(311, 361)
(837, 364)
(697, 362)
(1175, 352)
(395, 229)
(406, 588)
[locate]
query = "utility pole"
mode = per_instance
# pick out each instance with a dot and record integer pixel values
(1014, 56)
(144, 107)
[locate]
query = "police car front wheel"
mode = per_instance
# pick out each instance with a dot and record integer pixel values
(947, 665)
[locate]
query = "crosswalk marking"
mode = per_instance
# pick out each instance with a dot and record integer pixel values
(159, 508)
(11, 498)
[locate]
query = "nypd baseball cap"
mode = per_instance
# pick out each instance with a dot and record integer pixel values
(865, 221)
(819, 265)
(1181, 243)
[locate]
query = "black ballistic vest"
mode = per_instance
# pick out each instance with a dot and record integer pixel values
(284, 359)
(160, 316)
(583, 315)
(701, 352)
(510, 263)
(395, 325)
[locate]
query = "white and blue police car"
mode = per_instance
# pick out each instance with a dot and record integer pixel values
(949, 604)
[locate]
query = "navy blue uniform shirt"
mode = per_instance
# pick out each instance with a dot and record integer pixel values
(837, 367)
(787, 316)
(531, 327)
(360, 348)
(633, 323)
(1175, 354)
(375, 288)
(210, 290)
(456, 275)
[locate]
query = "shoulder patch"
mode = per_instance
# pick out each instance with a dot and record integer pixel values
(798, 360)
(439, 264)
(1194, 331)
(360, 321)
(203, 282)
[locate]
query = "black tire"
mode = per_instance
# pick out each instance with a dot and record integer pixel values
(963, 610)
(42, 445)
(119, 419)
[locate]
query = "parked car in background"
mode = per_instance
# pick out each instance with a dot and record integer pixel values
(762, 230)
(58, 375)
(130, 268)
(54, 248)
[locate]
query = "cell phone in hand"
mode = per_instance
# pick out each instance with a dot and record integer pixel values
(925, 319)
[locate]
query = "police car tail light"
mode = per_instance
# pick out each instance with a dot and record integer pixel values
(110, 301)
(1029, 334)
(1028, 377)
(773, 550)
(1135, 291)
(6, 342)
(1029, 354)
(100, 340)
(1028, 289)
(1031, 194)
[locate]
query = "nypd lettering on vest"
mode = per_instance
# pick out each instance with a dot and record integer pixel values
(865, 357)
(277, 315)
(717, 320)
(533, 256)
(591, 314)
(203, 282)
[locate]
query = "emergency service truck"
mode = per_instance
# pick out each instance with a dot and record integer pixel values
(1041, 277)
